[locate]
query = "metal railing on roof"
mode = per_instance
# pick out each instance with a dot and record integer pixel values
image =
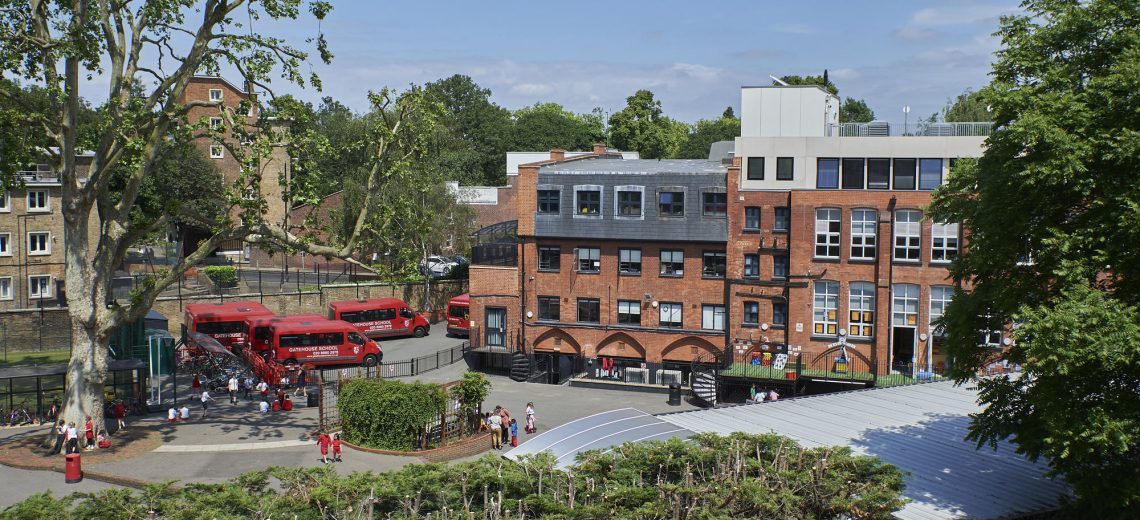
(38, 176)
(884, 129)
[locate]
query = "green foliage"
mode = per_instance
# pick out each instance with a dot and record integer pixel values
(1053, 209)
(546, 126)
(475, 135)
(221, 275)
(641, 127)
(822, 81)
(969, 106)
(471, 391)
(706, 132)
(388, 415)
(851, 110)
(740, 476)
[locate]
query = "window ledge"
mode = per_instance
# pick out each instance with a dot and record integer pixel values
(906, 262)
(781, 231)
(819, 337)
(825, 259)
(550, 270)
(629, 274)
(861, 260)
(858, 339)
(671, 276)
(588, 272)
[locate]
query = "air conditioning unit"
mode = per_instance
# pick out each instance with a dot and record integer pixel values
(940, 129)
(877, 129)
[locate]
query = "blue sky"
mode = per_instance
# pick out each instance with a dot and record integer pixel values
(693, 55)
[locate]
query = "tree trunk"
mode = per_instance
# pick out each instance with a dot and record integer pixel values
(86, 373)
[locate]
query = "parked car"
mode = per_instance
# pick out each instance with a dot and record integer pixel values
(438, 266)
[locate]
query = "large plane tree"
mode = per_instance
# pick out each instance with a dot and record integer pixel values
(133, 60)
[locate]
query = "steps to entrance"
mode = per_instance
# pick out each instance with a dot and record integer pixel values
(520, 367)
(704, 387)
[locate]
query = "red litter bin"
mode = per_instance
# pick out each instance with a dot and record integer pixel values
(72, 473)
(288, 405)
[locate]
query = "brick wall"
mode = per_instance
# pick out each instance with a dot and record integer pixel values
(493, 286)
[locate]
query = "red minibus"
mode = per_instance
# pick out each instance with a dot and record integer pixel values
(380, 317)
(323, 342)
(459, 315)
(225, 322)
(260, 330)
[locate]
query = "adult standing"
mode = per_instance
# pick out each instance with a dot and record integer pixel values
(232, 386)
(205, 402)
(120, 411)
(496, 421)
(505, 419)
(60, 436)
(302, 380)
(72, 438)
(530, 417)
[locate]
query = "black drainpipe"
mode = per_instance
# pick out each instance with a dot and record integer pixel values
(890, 295)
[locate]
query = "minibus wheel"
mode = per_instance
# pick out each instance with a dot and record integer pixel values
(370, 360)
(419, 332)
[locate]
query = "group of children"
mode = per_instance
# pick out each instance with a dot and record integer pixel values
(324, 441)
(67, 437)
(504, 428)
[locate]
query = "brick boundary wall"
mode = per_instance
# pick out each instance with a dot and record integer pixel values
(465, 448)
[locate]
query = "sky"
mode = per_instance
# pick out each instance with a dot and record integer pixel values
(693, 55)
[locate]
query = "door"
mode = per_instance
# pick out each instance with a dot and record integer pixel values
(405, 321)
(903, 349)
(496, 323)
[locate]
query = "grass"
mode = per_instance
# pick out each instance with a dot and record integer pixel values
(762, 372)
(46, 357)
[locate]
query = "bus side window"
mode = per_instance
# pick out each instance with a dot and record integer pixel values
(355, 338)
(406, 313)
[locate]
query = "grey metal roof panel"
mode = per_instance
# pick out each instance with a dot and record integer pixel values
(636, 166)
(601, 431)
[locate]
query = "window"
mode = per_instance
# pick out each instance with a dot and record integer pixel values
(5, 244)
(589, 310)
(878, 174)
(712, 317)
(908, 235)
(929, 174)
(861, 308)
(752, 218)
(715, 204)
(5, 202)
(785, 168)
(943, 242)
(670, 315)
(751, 313)
(783, 219)
(827, 226)
(827, 174)
(215, 94)
(779, 314)
(629, 261)
(39, 286)
(755, 168)
(217, 151)
(215, 123)
(853, 174)
(548, 308)
(825, 308)
(905, 174)
(713, 265)
(672, 203)
(39, 243)
(940, 296)
(752, 266)
(629, 201)
(355, 339)
(6, 288)
(589, 201)
(549, 201)
(672, 262)
(629, 312)
(589, 260)
(549, 258)
(905, 306)
(863, 223)
(38, 200)
(780, 266)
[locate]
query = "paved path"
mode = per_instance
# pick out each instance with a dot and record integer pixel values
(18, 484)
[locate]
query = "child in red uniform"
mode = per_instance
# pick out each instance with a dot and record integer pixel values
(336, 447)
(323, 441)
(89, 428)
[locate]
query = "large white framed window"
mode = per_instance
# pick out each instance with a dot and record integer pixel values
(39, 286)
(6, 288)
(904, 307)
(215, 94)
(630, 202)
(863, 224)
(671, 315)
(712, 317)
(825, 308)
(861, 310)
(38, 201)
(5, 244)
(908, 235)
(943, 242)
(827, 226)
(5, 202)
(940, 296)
(39, 243)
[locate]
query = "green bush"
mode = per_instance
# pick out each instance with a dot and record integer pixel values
(471, 391)
(221, 275)
(388, 415)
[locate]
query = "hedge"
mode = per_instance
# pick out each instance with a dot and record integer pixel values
(221, 275)
(388, 415)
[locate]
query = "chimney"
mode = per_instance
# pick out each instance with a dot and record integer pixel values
(557, 154)
(599, 148)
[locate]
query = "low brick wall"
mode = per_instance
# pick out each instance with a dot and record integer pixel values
(473, 445)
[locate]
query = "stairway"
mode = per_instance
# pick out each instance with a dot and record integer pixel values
(520, 366)
(704, 387)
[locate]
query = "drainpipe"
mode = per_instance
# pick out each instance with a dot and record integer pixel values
(890, 290)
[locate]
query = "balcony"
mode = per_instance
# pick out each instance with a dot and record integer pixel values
(39, 176)
(885, 129)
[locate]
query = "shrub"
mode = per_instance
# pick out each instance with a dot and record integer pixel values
(388, 415)
(221, 275)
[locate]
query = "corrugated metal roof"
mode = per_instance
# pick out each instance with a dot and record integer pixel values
(598, 432)
(918, 428)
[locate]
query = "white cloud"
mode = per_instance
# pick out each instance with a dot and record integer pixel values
(916, 34)
(696, 71)
(956, 13)
(843, 74)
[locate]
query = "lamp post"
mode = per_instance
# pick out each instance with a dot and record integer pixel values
(906, 118)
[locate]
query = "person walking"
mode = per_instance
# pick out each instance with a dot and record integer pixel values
(120, 411)
(232, 386)
(301, 382)
(89, 433)
(496, 421)
(336, 447)
(323, 441)
(505, 420)
(60, 436)
(514, 434)
(196, 384)
(530, 418)
(246, 386)
(263, 389)
(205, 402)
(72, 438)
